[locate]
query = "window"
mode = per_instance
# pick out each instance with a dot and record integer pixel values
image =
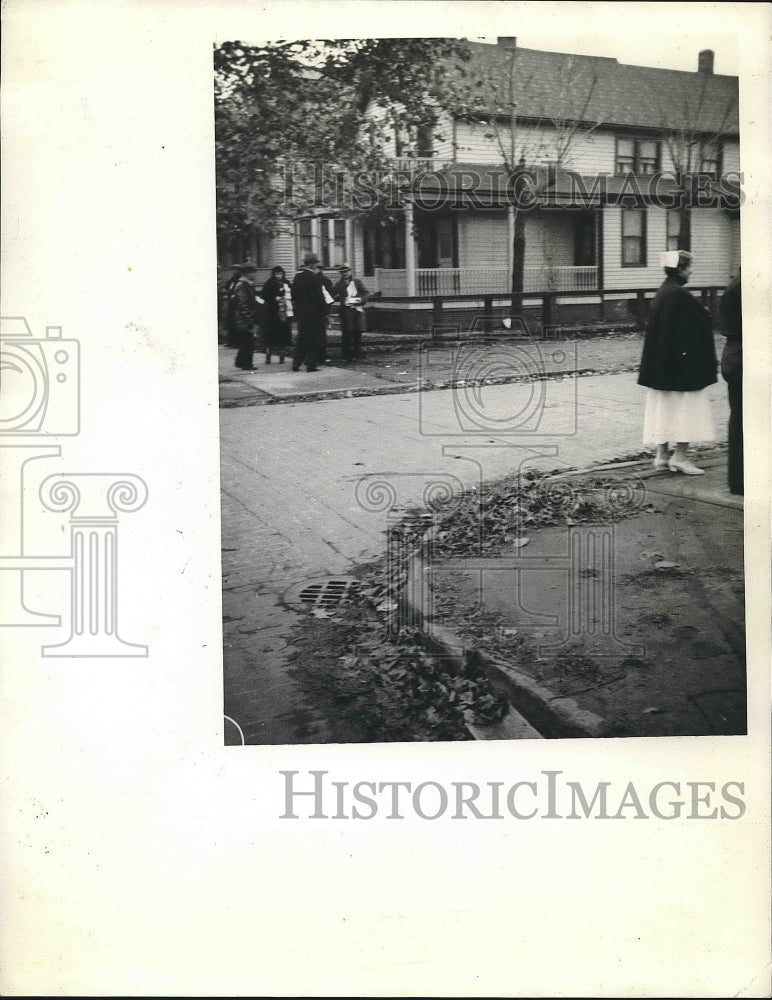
(710, 158)
(384, 246)
(673, 230)
(633, 237)
(584, 240)
(303, 237)
(333, 242)
(425, 140)
(637, 156)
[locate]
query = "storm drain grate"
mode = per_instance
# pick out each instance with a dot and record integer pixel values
(327, 593)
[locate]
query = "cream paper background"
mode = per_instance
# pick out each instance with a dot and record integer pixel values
(140, 855)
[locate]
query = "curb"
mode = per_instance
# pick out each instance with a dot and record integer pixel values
(545, 714)
(536, 712)
(404, 388)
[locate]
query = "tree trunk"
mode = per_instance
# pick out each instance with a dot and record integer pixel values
(685, 235)
(518, 264)
(687, 192)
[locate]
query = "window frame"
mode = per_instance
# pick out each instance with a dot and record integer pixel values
(300, 237)
(672, 214)
(712, 146)
(642, 237)
(637, 158)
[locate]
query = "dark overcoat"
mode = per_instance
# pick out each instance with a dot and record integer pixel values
(308, 301)
(278, 330)
(732, 322)
(351, 318)
(245, 309)
(679, 354)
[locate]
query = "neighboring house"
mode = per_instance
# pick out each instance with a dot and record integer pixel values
(454, 234)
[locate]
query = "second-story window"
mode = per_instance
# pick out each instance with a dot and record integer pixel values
(633, 237)
(637, 156)
(710, 158)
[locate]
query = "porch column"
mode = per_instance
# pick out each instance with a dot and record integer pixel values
(409, 249)
(316, 235)
(511, 238)
(348, 251)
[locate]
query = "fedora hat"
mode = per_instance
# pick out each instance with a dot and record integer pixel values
(310, 258)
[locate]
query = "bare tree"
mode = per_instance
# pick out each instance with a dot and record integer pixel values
(694, 125)
(533, 123)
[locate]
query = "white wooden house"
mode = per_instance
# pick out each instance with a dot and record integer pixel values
(589, 131)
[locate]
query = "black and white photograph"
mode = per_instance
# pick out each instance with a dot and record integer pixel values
(385, 550)
(480, 371)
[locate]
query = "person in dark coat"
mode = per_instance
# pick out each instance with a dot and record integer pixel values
(245, 317)
(352, 295)
(227, 294)
(677, 365)
(732, 371)
(311, 312)
(278, 313)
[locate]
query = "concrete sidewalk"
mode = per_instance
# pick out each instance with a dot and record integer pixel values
(307, 488)
(634, 628)
(402, 364)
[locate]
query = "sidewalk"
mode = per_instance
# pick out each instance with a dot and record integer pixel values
(628, 629)
(402, 363)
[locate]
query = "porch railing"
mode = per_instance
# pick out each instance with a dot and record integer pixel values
(485, 280)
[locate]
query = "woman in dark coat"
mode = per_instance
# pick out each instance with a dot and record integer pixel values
(277, 295)
(677, 365)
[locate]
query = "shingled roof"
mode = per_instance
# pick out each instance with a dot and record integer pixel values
(557, 85)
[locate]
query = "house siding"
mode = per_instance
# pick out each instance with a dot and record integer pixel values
(549, 239)
(483, 240)
(589, 153)
(282, 249)
(713, 234)
(443, 146)
(731, 156)
(617, 276)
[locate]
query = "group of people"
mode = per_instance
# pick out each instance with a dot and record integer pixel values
(307, 301)
(679, 363)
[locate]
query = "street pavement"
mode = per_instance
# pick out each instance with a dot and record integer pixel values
(306, 486)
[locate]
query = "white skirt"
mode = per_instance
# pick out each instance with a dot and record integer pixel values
(677, 416)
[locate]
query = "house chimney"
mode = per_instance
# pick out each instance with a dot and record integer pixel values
(705, 61)
(507, 42)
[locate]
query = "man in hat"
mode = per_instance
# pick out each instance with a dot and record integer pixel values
(352, 295)
(311, 309)
(245, 316)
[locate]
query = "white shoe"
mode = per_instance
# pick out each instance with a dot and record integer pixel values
(661, 463)
(685, 466)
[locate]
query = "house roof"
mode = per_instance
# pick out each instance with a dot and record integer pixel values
(593, 89)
